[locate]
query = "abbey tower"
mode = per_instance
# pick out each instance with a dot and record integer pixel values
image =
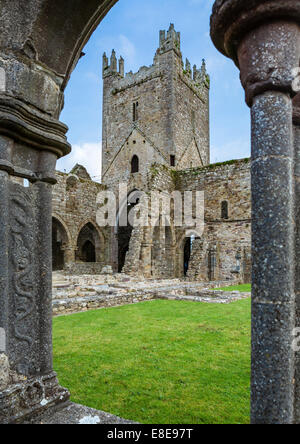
(156, 138)
(158, 115)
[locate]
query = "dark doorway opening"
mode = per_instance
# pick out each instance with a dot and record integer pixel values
(187, 255)
(89, 252)
(59, 240)
(86, 244)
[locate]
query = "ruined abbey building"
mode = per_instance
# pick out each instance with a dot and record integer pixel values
(156, 137)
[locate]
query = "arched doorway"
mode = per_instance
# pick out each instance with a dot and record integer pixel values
(89, 252)
(88, 244)
(59, 243)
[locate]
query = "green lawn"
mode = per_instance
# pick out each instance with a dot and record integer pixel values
(242, 288)
(159, 362)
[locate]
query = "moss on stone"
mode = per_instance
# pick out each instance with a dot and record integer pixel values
(213, 166)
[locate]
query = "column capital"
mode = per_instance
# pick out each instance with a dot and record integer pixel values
(263, 39)
(231, 20)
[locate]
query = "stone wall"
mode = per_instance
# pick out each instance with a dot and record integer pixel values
(82, 293)
(223, 252)
(226, 242)
(74, 213)
(171, 118)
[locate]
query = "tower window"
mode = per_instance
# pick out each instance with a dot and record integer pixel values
(224, 210)
(135, 111)
(172, 160)
(193, 118)
(135, 164)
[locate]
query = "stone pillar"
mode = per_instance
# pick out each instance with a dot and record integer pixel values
(266, 49)
(30, 143)
(69, 253)
(146, 256)
(296, 121)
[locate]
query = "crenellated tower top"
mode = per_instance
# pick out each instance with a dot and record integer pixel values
(111, 69)
(169, 40)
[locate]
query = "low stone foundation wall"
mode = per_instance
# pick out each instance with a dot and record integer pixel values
(91, 268)
(82, 293)
(80, 304)
(211, 297)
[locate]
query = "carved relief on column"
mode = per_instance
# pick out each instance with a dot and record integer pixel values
(23, 286)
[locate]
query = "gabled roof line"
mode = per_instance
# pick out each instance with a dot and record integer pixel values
(135, 127)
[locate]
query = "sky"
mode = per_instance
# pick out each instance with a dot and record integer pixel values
(132, 29)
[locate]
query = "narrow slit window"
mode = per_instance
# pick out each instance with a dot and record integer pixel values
(224, 210)
(135, 111)
(172, 160)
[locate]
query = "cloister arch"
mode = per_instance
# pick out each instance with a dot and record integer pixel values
(90, 243)
(60, 241)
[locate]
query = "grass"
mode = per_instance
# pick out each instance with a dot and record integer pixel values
(242, 288)
(159, 362)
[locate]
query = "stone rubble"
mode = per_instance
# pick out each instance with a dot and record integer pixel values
(73, 294)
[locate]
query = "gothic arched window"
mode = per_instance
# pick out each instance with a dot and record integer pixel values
(135, 164)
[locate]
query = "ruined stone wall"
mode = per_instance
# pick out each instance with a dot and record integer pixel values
(223, 252)
(228, 240)
(171, 119)
(74, 206)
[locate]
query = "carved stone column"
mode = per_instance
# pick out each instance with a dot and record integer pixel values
(262, 37)
(30, 143)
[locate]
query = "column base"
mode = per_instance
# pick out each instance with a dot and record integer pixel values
(20, 402)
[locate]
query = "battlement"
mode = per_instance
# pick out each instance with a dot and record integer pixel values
(159, 113)
(110, 69)
(197, 76)
(169, 40)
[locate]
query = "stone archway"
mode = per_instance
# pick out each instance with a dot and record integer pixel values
(60, 241)
(90, 245)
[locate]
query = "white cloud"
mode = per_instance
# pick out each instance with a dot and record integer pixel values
(237, 149)
(87, 154)
(128, 50)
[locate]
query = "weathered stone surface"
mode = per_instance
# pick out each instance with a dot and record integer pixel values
(74, 206)
(4, 371)
(263, 37)
(88, 293)
(172, 116)
(78, 414)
